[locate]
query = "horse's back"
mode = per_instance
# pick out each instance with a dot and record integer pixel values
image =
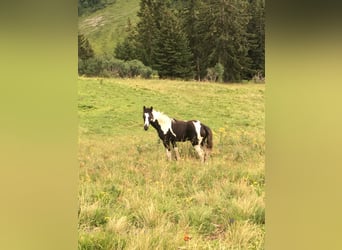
(184, 130)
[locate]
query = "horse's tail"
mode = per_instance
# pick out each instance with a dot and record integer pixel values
(209, 136)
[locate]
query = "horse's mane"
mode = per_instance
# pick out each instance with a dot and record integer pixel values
(161, 117)
(164, 121)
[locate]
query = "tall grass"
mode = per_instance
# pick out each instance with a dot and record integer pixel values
(130, 197)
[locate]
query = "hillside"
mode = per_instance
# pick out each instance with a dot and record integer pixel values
(131, 198)
(105, 27)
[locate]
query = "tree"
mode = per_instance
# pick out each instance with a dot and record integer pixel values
(256, 27)
(126, 50)
(84, 48)
(183, 39)
(85, 54)
(195, 28)
(172, 55)
(146, 30)
(217, 31)
(228, 37)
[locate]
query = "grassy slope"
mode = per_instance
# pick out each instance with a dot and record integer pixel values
(104, 28)
(130, 196)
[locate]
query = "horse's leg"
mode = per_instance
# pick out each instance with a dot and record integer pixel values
(168, 149)
(199, 151)
(176, 150)
(206, 153)
(168, 154)
(206, 150)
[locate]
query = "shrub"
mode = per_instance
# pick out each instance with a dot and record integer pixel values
(90, 67)
(216, 73)
(219, 69)
(106, 66)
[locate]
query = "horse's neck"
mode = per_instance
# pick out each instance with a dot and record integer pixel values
(162, 122)
(162, 118)
(158, 128)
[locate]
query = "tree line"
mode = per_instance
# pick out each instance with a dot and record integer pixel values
(218, 40)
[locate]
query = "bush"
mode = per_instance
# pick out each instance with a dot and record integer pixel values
(216, 73)
(258, 77)
(122, 68)
(90, 67)
(112, 67)
(219, 69)
(136, 68)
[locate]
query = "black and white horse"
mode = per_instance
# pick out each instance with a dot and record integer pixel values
(171, 131)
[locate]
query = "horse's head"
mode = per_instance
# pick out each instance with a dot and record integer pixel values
(147, 116)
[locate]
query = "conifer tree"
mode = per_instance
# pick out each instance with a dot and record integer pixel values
(126, 50)
(256, 27)
(146, 30)
(172, 55)
(184, 39)
(228, 33)
(195, 31)
(84, 48)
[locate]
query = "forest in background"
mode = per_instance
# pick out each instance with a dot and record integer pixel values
(216, 40)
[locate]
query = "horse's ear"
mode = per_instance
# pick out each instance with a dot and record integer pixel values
(151, 108)
(144, 107)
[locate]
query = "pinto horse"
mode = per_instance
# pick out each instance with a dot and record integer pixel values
(171, 131)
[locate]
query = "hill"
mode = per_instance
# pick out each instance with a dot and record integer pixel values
(105, 27)
(131, 197)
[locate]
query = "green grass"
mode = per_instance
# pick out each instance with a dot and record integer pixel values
(131, 198)
(106, 27)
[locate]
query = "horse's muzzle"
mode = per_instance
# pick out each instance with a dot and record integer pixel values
(145, 127)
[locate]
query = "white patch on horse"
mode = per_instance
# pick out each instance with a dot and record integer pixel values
(164, 122)
(146, 119)
(171, 128)
(197, 125)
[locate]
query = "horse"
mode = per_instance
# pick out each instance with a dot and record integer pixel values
(171, 130)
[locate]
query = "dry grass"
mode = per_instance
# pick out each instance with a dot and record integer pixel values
(132, 198)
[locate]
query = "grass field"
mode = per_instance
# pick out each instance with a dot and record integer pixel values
(106, 27)
(130, 197)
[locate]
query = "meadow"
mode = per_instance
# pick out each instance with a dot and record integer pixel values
(106, 27)
(131, 197)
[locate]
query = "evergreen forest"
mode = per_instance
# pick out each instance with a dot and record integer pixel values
(212, 40)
